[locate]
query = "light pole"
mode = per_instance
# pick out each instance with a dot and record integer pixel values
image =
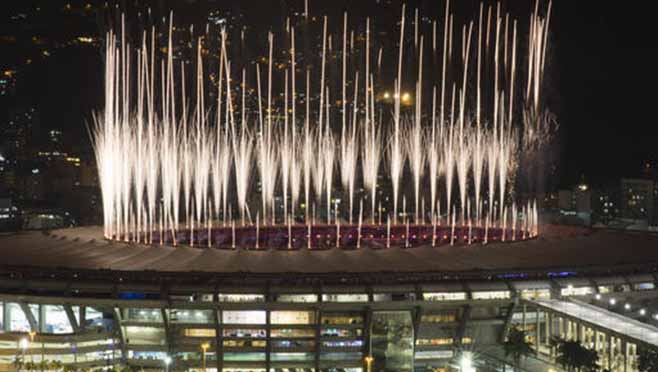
(23, 344)
(167, 362)
(369, 359)
(32, 334)
(204, 348)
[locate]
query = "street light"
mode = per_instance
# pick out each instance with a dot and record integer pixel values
(466, 363)
(369, 359)
(167, 362)
(204, 348)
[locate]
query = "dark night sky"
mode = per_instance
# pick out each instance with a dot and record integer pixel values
(602, 76)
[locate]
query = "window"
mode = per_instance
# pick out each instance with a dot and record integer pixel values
(491, 295)
(342, 319)
(145, 335)
(142, 315)
(276, 357)
(576, 291)
(243, 317)
(246, 357)
(17, 321)
(200, 332)
(191, 316)
(345, 297)
(340, 332)
(340, 356)
(434, 341)
(244, 343)
(527, 294)
(434, 354)
(292, 333)
(222, 297)
(243, 332)
(644, 286)
(292, 317)
(348, 343)
(440, 318)
(150, 355)
(303, 298)
(444, 296)
(56, 320)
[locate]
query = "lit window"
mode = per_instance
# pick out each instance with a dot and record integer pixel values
(298, 298)
(491, 295)
(345, 297)
(527, 294)
(292, 317)
(243, 317)
(576, 291)
(200, 332)
(240, 297)
(444, 296)
(191, 316)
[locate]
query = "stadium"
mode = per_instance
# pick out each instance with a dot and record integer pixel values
(75, 297)
(246, 230)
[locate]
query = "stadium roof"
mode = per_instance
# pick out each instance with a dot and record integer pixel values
(558, 249)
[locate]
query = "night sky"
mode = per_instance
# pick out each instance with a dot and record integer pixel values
(601, 80)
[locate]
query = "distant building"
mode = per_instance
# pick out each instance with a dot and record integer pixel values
(575, 205)
(9, 215)
(605, 205)
(637, 199)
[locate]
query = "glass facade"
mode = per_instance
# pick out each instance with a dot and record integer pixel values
(392, 341)
(293, 332)
(56, 321)
(16, 319)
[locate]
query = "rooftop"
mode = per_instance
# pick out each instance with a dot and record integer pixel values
(558, 249)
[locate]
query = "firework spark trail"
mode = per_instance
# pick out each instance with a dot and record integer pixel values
(396, 156)
(161, 166)
(371, 159)
(285, 152)
(349, 147)
(416, 141)
(433, 157)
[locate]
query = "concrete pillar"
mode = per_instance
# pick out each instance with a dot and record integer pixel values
(547, 319)
(610, 351)
(537, 330)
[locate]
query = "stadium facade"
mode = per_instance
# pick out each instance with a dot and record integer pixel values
(70, 296)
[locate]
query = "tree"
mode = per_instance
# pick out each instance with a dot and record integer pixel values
(517, 346)
(18, 363)
(647, 360)
(43, 365)
(573, 356)
(56, 365)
